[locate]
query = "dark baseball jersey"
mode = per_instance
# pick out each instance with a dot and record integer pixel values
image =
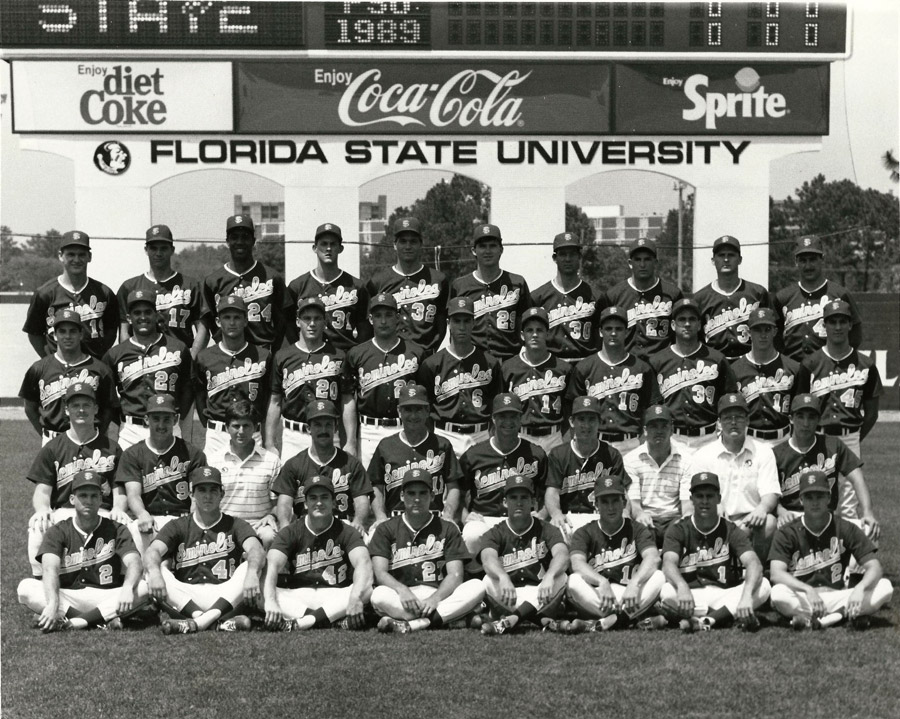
(525, 557)
(498, 311)
(461, 389)
(769, 389)
(418, 557)
(485, 470)
(615, 556)
(344, 470)
(179, 302)
(573, 319)
(163, 476)
(346, 307)
(820, 559)
(542, 388)
(708, 558)
(691, 386)
(393, 457)
(300, 377)
(842, 386)
(801, 314)
(221, 377)
(139, 372)
(263, 292)
(624, 390)
(317, 559)
(421, 300)
(574, 476)
(47, 380)
(89, 560)
(95, 303)
(205, 555)
(649, 313)
(724, 315)
(58, 461)
(828, 454)
(376, 376)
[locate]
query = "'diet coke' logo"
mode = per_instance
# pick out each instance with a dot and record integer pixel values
(125, 99)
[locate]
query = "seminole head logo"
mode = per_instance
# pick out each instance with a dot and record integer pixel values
(112, 157)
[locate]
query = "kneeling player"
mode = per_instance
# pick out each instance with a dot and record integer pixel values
(525, 560)
(418, 561)
(91, 568)
(702, 555)
(209, 580)
(615, 565)
(330, 572)
(808, 560)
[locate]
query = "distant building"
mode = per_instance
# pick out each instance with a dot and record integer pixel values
(614, 226)
(267, 216)
(372, 223)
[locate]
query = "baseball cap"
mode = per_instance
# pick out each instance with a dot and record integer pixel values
(414, 475)
(87, 478)
(836, 307)
(75, 237)
(726, 241)
(406, 224)
(318, 480)
(762, 316)
(517, 481)
(231, 302)
(413, 394)
(617, 312)
(305, 302)
(642, 243)
(805, 401)
(585, 404)
(205, 475)
(732, 399)
(705, 479)
(506, 402)
(67, 315)
(685, 304)
(565, 239)
(461, 306)
(536, 313)
(383, 299)
(808, 245)
(161, 403)
(136, 297)
(80, 389)
(608, 485)
(329, 228)
(236, 221)
(657, 412)
(483, 232)
(160, 233)
(814, 480)
(321, 408)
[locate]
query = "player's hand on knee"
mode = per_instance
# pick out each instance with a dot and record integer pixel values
(117, 515)
(474, 517)
(274, 617)
(409, 601)
(562, 523)
(251, 588)
(756, 518)
(358, 527)
(644, 519)
(145, 523)
(854, 602)
(743, 610)
(49, 619)
(428, 606)
(508, 591)
(156, 586)
(126, 600)
(816, 605)
(685, 602)
(630, 598)
(40, 522)
(871, 527)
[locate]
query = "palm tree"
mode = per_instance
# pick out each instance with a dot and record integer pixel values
(891, 163)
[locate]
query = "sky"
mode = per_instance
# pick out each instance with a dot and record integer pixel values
(864, 124)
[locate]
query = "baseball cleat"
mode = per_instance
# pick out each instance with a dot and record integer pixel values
(179, 626)
(695, 624)
(490, 629)
(649, 624)
(748, 624)
(239, 623)
(114, 625)
(557, 626)
(64, 626)
(580, 626)
(860, 622)
(386, 625)
(800, 623)
(478, 620)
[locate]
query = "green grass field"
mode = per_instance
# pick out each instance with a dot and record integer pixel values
(453, 673)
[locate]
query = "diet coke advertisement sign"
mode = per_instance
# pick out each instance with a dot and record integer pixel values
(405, 98)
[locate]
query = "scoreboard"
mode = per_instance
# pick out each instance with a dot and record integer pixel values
(690, 30)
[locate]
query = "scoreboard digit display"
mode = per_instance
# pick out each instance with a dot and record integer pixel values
(375, 25)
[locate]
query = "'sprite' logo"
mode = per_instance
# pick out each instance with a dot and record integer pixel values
(751, 101)
(124, 99)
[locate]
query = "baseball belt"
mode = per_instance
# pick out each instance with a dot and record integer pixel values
(213, 424)
(617, 436)
(769, 433)
(462, 428)
(839, 431)
(295, 426)
(378, 421)
(48, 433)
(696, 431)
(539, 431)
(133, 419)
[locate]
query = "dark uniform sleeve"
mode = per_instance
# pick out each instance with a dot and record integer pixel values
(43, 469)
(380, 544)
(493, 538)
(674, 539)
(54, 542)
(351, 539)
(28, 390)
(552, 535)
(783, 544)
(129, 469)
(555, 468)
(376, 468)
(36, 316)
(739, 541)
(243, 531)
(172, 533)
(454, 547)
(285, 540)
(124, 542)
(581, 541)
(643, 538)
(359, 481)
(857, 542)
(286, 481)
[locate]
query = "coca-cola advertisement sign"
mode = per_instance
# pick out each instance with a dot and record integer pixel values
(403, 98)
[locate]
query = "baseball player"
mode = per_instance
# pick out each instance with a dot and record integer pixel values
(418, 561)
(350, 485)
(499, 297)
(325, 564)
(81, 447)
(573, 469)
(800, 305)
(846, 382)
(808, 560)
(647, 299)
(154, 473)
(179, 299)
(703, 556)
(209, 580)
(487, 466)
(307, 370)
(91, 569)
(344, 296)
(421, 292)
(615, 575)
(623, 384)
(233, 368)
(525, 561)
(726, 302)
(376, 372)
(541, 381)
(691, 377)
(571, 303)
(147, 363)
(768, 380)
(461, 380)
(44, 387)
(263, 291)
(91, 299)
(414, 446)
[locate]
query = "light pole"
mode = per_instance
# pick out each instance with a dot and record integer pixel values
(680, 187)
